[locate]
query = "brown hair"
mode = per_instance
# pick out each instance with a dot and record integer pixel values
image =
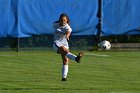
(64, 15)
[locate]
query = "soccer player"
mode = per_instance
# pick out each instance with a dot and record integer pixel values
(61, 38)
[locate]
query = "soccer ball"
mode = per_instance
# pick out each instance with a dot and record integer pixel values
(105, 45)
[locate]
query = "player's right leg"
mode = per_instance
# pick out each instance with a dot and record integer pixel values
(69, 55)
(65, 51)
(79, 56)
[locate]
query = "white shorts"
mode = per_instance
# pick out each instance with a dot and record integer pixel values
(57, 45)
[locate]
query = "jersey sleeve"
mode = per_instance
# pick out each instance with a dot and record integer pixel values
(68, 28)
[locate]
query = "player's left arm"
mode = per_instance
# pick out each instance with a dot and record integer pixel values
(68, 33)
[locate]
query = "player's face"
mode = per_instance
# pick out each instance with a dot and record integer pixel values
(63, 21)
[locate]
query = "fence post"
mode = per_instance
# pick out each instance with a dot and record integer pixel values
(99, 26)
(18, 44)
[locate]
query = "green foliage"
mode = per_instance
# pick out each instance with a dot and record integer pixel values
(13, 42)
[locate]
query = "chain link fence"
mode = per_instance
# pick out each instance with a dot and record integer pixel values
(45, 42)
(87, 42)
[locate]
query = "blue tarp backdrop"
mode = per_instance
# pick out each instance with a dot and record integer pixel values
(24, 18)
(120, 17)
(28, 17)
(7, 18)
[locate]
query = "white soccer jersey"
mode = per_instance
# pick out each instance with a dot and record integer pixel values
(60, 34)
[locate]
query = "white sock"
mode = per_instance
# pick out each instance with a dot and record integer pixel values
(64, 71)
(70, 56)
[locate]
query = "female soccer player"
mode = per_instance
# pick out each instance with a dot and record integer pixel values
(61, 38)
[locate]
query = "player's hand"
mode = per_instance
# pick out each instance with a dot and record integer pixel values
(67, 39)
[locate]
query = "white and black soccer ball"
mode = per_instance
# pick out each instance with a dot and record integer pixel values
(105, 45)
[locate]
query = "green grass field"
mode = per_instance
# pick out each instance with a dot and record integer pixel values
(99, 72)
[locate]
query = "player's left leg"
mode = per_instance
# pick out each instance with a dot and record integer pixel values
(64, 67)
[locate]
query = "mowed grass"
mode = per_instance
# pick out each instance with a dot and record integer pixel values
(99, 72)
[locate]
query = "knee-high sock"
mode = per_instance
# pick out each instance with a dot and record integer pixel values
(64, 71)
(70, 56)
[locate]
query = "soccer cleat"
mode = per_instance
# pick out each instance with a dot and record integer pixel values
(79, 56)
(64, 79)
